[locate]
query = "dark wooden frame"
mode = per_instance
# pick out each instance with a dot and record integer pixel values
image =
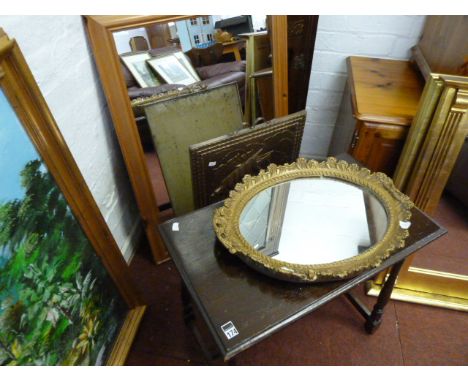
(269, 136)
(22, 91)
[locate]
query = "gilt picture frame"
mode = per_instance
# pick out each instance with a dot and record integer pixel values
(63, 276)
(186, 62)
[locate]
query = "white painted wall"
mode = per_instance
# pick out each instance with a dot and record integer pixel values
(337, 38)
(57, 51)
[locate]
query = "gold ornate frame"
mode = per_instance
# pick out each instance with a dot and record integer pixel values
(396, 204)
(432, 146)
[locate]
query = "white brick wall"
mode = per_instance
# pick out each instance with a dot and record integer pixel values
(337, 38)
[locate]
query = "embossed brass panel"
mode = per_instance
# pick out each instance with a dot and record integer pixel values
(181, 121)
(217, 165)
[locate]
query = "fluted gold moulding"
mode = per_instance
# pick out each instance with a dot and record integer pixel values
(397, 206)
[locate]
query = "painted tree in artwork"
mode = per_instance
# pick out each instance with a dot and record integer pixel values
(52, 293)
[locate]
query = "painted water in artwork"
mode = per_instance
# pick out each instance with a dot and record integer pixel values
(58, 305)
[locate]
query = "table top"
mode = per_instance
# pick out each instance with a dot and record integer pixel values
(384, 91)
(224, 289)
(235, 42)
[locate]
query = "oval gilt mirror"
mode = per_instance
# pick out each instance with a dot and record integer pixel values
(310, 221)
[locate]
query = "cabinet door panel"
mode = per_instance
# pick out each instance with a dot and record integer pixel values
(378, 147)
(384, 155)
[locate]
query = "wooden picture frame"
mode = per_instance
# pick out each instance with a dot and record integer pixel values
(186, 62)
(23, 94)
(137, 64)
(218, 164)
(172, 70)
(100, 30)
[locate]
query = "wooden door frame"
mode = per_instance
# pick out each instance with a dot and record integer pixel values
(100, 29)
(279, 52)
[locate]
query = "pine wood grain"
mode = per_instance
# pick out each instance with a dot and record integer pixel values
(385, 91)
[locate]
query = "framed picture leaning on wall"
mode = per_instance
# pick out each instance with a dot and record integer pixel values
(66, 296)
(137, 65)
(172, 70)
(188, 65)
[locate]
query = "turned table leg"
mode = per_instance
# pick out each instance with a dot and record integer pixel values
(189, 320)
(187, 306)
(375, 318)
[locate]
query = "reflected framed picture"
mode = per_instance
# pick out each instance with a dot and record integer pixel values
(188, 65)
(138, 66)
(172, 69)
(66, 295)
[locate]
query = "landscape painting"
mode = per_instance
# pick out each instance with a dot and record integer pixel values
(58, 305)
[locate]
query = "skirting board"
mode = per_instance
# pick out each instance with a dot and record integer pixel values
(131, 244)
(315, 157)
(126, 336)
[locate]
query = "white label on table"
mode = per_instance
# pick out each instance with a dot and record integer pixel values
(229, 330)
(405, 225)
(175, 226)
(211, 164)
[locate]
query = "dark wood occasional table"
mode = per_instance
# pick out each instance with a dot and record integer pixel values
(239, 306)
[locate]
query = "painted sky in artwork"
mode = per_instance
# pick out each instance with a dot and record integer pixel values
(15, 151)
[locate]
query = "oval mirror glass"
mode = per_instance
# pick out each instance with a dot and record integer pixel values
(313, 221)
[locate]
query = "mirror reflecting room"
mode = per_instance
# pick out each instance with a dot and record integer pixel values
(313, 221)
(203, 52)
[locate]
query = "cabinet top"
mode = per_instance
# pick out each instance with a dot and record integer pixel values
(384, 91)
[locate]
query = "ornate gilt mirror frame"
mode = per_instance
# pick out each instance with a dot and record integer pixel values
(397, 206)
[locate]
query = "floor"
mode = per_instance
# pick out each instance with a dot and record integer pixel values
(410, 334)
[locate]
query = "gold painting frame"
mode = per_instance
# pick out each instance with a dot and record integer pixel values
(428, 157)
(169, 67)
(397, 206)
